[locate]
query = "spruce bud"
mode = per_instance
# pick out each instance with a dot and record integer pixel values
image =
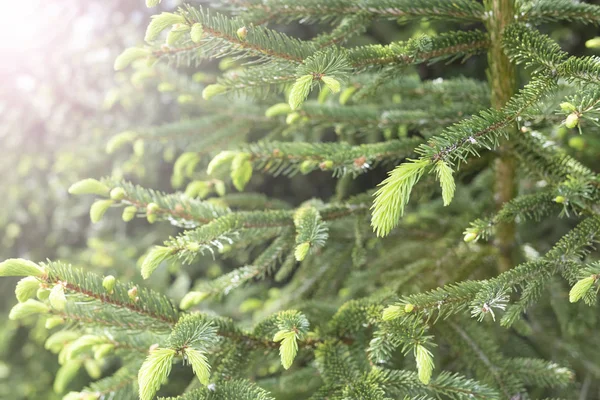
(581, 288)
(129, 213)
(27, 308)
(42, 293)
(307, 166)
(161, 22)
(566, 106)
(130, 55)
(470, 236)
(57, 297)
(98, 209)
(292, 118)
(277, 110)
(138, 147)
(132, 293)
(53, 322)
(191, 299)
(119, 140)
(102, 350)
(409, 308)
(577, 142)
(331, 83)
(391, 312)
(197, 32)
(108, 283)
(326, 165)
(89, 186)
(20, 267)
(212, 90)
(560, 199)
(117, 194)
(193, 247)
(593, 43)
(242, 33)
(165, 87)
(173, 36)
(152, 208)
(572, 120)
(220, 188)
(241, 170)
(301, 251)
(26, 288)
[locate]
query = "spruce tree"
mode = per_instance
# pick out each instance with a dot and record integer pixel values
(421, 285)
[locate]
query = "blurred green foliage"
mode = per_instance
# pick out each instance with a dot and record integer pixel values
(60, 102)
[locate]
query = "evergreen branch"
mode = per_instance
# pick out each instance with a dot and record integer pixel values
(487, 357)
(482, 295)
(221, 38)
(583, 69)
(262, 266)
(121, 384)
(225, 228)
(95, 313)
(459, 141)
(398, 383)
(454, 90)
(419, 50)
(540, 373)
(348, 27)
(570, 248)
(541, 11)
(226, 390)
(289, 158)
(526, 207)
(251, 201)
(144, 302)
(527, 45)
(204, 135)
(260, 80)
(288, 10)
(394, 194)
(176, 208)
(544, 160)
(370, 116)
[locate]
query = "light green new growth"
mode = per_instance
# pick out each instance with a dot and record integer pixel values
(154, 371)
(444, 174)
(296, 268)
(393, 195)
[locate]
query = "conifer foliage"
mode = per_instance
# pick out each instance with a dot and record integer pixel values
(420, 287)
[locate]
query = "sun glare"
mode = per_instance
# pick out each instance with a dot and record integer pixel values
(26, 24)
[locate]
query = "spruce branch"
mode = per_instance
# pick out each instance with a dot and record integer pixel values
(145, 302)
(526, 45)
(221, 38)
(482, 295)
(487, 357)
(541, 11)
(451, 45)
(399, 383)
(262, 266)
(176, 208)
(121, 384)
(461, 140)
(229, 227)
(225, 390)
(288, 10)
(348, 27)
(289, 158)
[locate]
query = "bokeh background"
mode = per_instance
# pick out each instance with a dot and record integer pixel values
(61, 101)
